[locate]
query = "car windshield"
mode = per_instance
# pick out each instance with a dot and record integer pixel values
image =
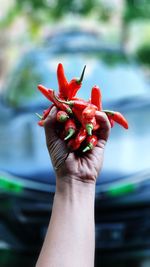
(110, 70)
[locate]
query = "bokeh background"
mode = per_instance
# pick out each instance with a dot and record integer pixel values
(119, 32)
(121, 22)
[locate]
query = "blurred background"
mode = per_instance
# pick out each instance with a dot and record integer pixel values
(112, 38)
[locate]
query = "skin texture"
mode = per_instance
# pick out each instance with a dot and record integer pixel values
(70, 238)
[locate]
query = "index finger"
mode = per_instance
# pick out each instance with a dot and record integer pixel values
(105, 126)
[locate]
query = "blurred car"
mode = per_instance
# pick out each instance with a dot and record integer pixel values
(27, 179)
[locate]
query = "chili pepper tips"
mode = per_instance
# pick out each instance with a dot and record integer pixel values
(117, 117)
(62, 116)
(91, 142)
(70, 128)
(69, 134)
(78, 103)
(60, 104)
(74, 85)
(46, 92)
(89, 128)
(41, 123)
(38, 115)
(62, 81)
(96, 97)
(82, 75)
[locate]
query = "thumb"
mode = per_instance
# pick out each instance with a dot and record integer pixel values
(50, 126)
(56, 147)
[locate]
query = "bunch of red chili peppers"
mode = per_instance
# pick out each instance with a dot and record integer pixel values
(77, 124)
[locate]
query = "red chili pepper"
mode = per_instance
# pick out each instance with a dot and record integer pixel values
(44, 116)
(91, 142)
(89, 112)
(46, 112)
(62, 116)
(96, 97)
(117, 117)
(96, 127)
(74, 85)
(41, 123)
(81, 136)
(73, 145)
(70, 128)
(46, 92)
(89, 124)
(62, 82)
(61, 105)
(78, 114)
(77, 103)
(49, 93)
(111, 120)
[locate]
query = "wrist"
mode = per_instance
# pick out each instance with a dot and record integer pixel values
(70, 185)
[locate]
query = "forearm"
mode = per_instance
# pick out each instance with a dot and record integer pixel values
(70, 237)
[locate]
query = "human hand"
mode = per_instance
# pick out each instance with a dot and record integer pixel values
(85, 167)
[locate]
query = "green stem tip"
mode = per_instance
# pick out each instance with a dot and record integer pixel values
(87, 148)
(69, 103)
(89, 128)
(82, 75)
(71, 132)
(63, 118)
(39, 116)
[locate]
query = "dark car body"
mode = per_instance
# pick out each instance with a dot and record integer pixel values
(27, 179)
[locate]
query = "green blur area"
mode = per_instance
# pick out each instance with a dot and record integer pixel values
(9, 185)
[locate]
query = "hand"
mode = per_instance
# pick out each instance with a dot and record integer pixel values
(85, 167)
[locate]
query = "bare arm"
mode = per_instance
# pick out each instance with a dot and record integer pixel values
(70, 235)
(70, 239)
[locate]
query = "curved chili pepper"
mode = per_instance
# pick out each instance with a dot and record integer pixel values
(96, 97)
(46, 92)
(74, 85)
(49, 93)
(117, 117)
(77, 103)
(61, 105)
(62, 116)
(70, 128)
(91, 142)
(62, 82)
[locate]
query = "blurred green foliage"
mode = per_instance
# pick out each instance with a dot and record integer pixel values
(136, 9)
(143, 54)
(46, 10)
(40, 12)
